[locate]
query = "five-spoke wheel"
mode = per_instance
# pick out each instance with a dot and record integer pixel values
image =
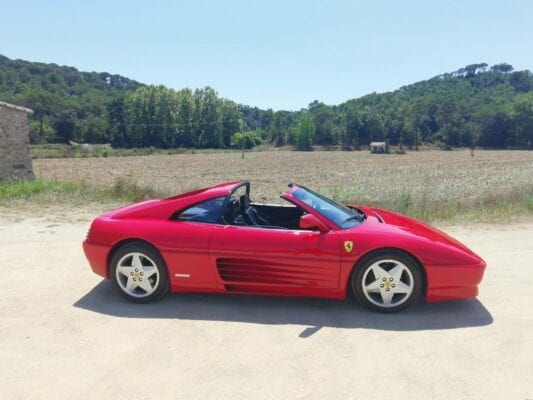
(138, 273)
(387, 281)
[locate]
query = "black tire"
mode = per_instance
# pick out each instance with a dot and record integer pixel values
(410, 279)
(149, 259)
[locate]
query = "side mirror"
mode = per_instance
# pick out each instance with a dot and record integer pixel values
(309, 221)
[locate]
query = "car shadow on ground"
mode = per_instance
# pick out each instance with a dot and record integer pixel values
(310, 312)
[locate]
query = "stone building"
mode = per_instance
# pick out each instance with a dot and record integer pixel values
(15, 156)
(379, 147)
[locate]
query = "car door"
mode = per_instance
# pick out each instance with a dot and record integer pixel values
(264, 260)
(184, 244)
(184, 247)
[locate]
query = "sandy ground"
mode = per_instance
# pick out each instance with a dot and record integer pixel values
(65, 335)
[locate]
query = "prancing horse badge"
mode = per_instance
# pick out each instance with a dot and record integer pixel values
(348, 245)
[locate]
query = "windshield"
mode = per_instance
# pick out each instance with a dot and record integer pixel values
(339, 214)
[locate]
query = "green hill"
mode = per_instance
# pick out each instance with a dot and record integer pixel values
(58, 93)
(491, 107)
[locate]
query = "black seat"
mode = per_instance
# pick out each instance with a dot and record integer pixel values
(258, 218)
(250, 214)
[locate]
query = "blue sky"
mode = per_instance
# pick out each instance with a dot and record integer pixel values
(271, 54)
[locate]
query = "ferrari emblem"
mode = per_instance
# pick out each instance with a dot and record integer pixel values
(348, 245)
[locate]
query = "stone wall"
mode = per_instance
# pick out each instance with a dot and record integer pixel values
(15, 156)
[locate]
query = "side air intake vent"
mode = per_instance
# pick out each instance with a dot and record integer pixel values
(249, 271)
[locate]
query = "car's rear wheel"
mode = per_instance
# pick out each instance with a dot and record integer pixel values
(138, 273)
(387, 281)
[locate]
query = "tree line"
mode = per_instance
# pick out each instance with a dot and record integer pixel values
(162, 117)
(475, 105)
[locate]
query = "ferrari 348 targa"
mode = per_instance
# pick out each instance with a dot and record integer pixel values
(217, 240)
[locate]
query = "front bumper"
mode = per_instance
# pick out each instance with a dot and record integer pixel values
(97, 255)
(453, 282)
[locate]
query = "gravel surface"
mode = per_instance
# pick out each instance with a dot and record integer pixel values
(64, 334)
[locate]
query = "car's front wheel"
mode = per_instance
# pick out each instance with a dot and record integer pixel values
(138, 273)
(387, 281)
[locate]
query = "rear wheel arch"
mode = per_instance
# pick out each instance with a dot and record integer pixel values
(373, 252)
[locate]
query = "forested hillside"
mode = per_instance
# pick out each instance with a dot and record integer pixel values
(491, 107)
(69, 103)
(477, 104)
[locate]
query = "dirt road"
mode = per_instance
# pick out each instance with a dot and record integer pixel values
(65, 335)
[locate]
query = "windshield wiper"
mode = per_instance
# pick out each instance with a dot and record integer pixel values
(356, 217)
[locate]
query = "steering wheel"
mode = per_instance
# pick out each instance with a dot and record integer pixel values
(232, 211)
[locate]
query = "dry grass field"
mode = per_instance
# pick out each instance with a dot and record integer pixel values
(431, 185)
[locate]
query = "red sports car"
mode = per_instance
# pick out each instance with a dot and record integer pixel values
(217, 240)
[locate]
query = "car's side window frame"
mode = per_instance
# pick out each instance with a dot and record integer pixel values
(244, 184)
(175, 216)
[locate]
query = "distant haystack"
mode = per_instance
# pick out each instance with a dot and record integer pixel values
(15, 156)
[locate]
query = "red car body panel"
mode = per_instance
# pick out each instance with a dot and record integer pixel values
(221, 258)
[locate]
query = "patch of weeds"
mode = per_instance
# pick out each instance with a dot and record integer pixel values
(25, 189)
(404, 202)
(124, 189)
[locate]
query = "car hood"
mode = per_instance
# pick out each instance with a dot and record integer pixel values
(401, 224)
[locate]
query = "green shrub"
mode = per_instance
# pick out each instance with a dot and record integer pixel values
(251, 139)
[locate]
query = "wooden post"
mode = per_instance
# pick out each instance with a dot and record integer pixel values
(416, 132)
(242, 138)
